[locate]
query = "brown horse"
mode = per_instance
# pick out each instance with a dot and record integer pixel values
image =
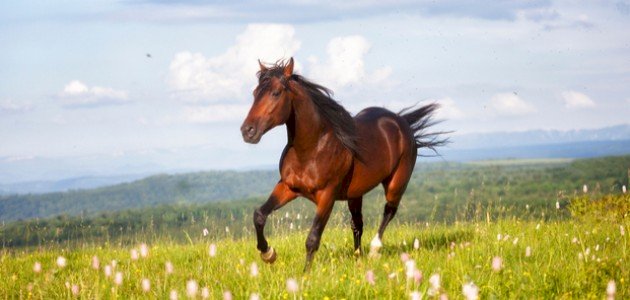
(330, 155)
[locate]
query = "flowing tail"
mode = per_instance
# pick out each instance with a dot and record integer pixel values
(419, 121)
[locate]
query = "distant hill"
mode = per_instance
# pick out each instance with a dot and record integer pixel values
(161, 189)
(540, 137)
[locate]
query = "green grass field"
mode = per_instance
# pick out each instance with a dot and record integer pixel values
(474, 226)
(568, 259)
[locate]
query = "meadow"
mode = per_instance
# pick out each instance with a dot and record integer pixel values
(536, 230)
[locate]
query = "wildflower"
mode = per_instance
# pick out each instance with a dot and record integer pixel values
(227, 295)
(585, 189)
(75, 290)
(96, 264)
(499, 237)
(623, 189)
(61, 261)
(416, 244)
(227, 229)
(622, 230)
(404, 257)
(292, 286)
(144, 250)
(205, 293)
(557, 204)
(298, 216)
(37, 267)
(537, 226)
(169, 267)
(415, 295)
(515, 241)
(597, 247)
(146, 285)
(253, 269)
(470, 291)
(114, 263)
(212, 250)
(417, 276)
(134, 254)
(108, 270)
(286, 215)
(370, 278)
(611, 289)
(410, 267)
(527, 206)
(205, 232)
(118, 278)
(574, 240)
(391, 275)
(192, 288)
(528, 251)
(254, 296)
(434, 281)
(173, 295)
(497, 263)
(291, 226)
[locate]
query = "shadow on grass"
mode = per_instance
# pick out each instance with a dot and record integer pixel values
(433, 240)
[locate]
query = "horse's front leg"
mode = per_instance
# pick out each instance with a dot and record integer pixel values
(325, 202)
(280, 196)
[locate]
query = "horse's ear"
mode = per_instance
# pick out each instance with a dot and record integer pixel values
(288, 69)
(262, 67)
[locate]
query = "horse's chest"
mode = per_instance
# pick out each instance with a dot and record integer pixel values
(305, 177)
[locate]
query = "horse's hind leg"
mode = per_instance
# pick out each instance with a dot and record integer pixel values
(354, 205)
(395, 187)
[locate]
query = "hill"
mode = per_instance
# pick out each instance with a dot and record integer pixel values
(160, 189)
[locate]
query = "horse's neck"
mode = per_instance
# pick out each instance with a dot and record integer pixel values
(305, 126)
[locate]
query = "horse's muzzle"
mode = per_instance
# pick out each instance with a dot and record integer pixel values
(250, 134)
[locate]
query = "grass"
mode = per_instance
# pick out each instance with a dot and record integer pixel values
(569, 259)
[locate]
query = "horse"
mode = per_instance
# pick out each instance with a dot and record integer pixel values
(330, 155)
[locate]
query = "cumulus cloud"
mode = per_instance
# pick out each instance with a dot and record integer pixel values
(576, 100)
(510, 104)
(345, 63)
(195, 78)
(77, 94)
(448, 109)
(10, 106)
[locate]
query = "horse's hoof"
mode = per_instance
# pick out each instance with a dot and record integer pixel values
(269, 256)
(358, 253)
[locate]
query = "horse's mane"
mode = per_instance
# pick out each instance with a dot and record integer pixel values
(337, 116)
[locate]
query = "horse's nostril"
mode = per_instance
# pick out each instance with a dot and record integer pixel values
(250, 129)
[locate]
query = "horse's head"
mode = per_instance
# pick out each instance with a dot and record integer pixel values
(272, 101)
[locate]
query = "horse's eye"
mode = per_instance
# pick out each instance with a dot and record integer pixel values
(276, 93)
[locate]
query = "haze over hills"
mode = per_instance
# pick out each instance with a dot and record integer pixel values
(41, 174)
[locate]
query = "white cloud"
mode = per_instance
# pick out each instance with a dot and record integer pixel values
(345, 63)
(448, 109)
(576, 100)
(510, 104)
(230, 76)
(10, 106)
(78, 94)
(215, 113)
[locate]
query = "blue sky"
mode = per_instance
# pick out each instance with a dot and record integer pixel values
(76, 80)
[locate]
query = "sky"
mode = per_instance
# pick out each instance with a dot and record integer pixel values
(122, 79)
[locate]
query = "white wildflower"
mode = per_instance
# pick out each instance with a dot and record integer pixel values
(470, 291)
(192, 288)
(118, 278)
(37, 267)
(212, 250)
(292, 286)
(61, 261)
(146, 285)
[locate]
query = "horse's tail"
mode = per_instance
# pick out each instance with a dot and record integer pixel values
(419, 121)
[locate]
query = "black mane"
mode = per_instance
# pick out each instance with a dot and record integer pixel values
(337, 116)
